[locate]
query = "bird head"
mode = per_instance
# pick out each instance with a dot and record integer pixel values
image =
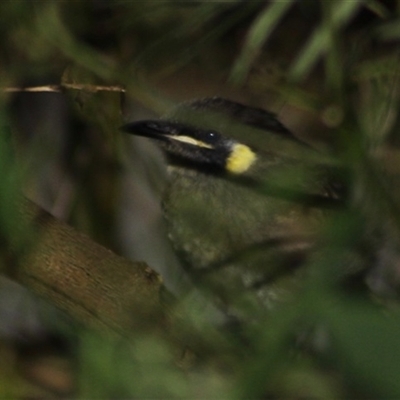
(245, 144)
(204, 149)
(216, 135)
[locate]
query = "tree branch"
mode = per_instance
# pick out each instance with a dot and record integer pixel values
(63, 87)
(89, 282)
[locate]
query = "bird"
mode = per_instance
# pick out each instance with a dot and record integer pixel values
(244, 201)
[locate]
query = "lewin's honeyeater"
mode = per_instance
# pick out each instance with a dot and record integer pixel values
(242, 201)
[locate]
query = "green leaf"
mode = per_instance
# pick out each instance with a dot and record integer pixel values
(257, 36)
(366, 347)
(320, 41)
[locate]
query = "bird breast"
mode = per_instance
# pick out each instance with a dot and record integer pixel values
(210, 219)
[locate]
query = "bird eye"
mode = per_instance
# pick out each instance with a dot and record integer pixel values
(212, 136)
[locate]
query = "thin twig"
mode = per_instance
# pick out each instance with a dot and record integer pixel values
(64, 86)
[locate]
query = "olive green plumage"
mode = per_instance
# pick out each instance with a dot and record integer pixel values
(236, 203)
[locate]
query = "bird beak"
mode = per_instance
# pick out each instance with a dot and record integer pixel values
(162, 130)
(150, 129)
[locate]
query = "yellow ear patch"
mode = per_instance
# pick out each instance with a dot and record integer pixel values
(240, 159)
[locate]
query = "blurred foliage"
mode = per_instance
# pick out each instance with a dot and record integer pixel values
(335, 62)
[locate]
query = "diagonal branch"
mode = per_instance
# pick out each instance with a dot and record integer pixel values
(92, 284)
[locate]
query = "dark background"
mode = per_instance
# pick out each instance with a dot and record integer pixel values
(329, 70)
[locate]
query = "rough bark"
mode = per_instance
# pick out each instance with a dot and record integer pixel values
(89, 282)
